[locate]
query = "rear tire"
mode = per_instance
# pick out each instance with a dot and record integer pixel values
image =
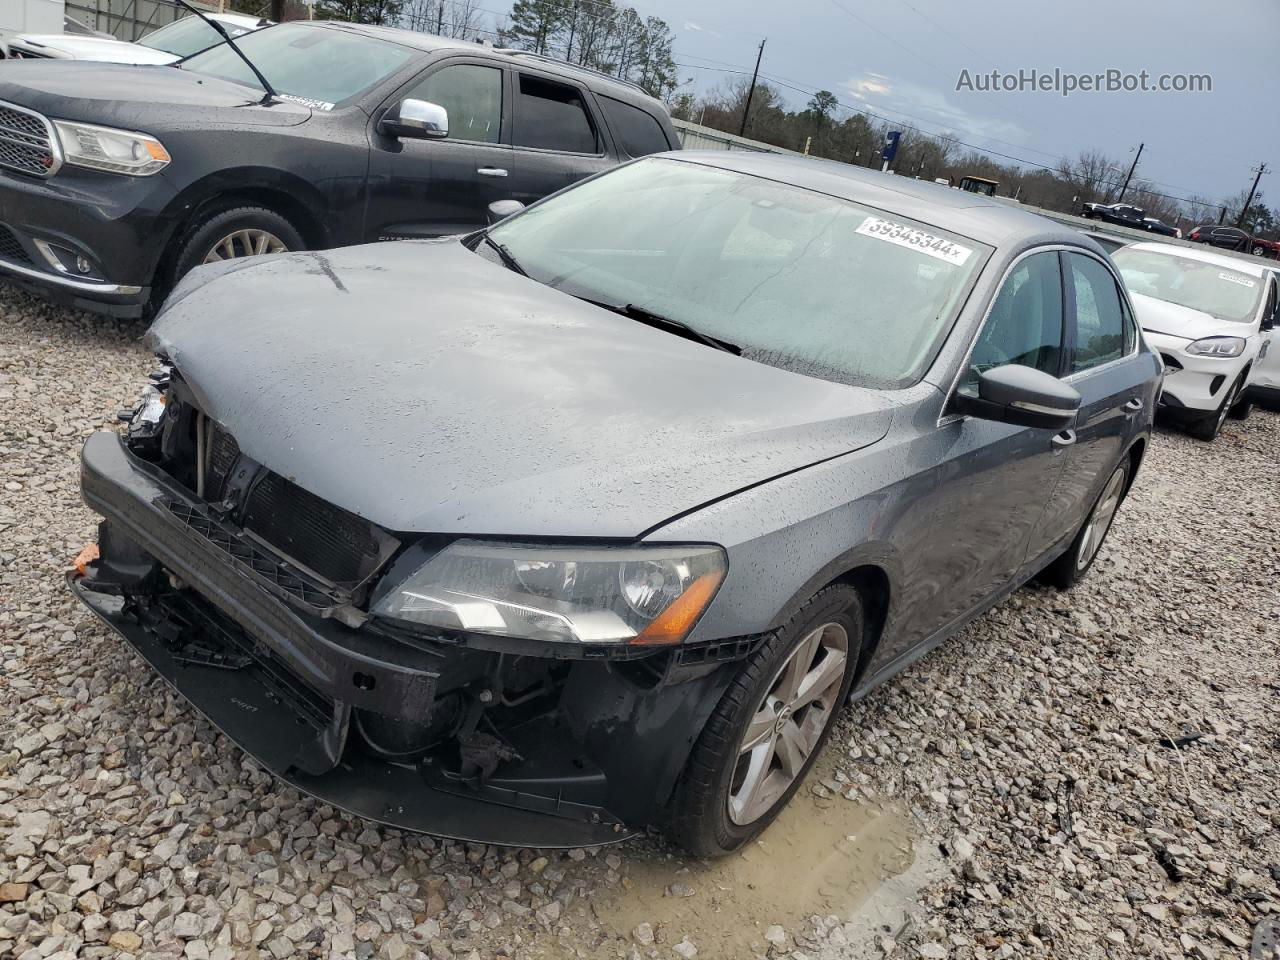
(1070, 568)
(236, 233)
(750, 757)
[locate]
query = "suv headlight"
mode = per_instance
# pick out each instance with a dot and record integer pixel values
(642, 595)
(1217, 347)
(116, 151)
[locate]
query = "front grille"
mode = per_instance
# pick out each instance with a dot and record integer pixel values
(248, 557)
(10, 248)
(25, 143)
(337, 545)
(1170, 362)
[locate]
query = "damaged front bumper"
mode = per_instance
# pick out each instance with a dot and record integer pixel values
(414, 732)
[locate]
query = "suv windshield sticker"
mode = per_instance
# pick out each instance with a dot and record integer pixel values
(306, 101)
(1236, 278)
(913, 239)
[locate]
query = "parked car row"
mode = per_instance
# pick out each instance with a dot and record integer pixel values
(547, 529)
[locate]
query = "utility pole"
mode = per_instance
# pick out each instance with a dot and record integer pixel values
(1129, 176)
(440, 19)
(742, 130)
(1260, 169)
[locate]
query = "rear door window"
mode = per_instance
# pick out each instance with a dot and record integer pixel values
(552, 116)
(637, 131)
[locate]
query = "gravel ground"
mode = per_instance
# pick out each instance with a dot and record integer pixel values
(1082, 775)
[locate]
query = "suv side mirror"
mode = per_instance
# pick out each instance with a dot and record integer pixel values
(1022, 396)
(415, 120)
(1269, 321)
(501, 209)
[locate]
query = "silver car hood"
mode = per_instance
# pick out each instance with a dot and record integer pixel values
(427, 389)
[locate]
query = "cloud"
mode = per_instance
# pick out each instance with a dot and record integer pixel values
(696, 27)
(929, 106)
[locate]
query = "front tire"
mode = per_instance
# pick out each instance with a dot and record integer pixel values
(236, 233)
(1070, 568)
(1207, 429)
(769, 726)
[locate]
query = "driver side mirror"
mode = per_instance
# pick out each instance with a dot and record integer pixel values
(1022, 396)
(415, 120)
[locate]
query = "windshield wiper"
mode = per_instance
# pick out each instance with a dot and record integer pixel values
(269, 92)
(508, 261)
(679, 327)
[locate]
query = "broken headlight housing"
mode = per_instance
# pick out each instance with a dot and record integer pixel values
(589, 595)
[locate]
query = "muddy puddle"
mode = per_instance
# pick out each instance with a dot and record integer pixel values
(823, 855)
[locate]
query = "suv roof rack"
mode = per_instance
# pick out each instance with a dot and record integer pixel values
(512, 51)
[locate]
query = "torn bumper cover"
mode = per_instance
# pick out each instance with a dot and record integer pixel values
(367, 720)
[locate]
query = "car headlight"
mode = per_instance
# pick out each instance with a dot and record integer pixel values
(591, 595)
(1217, 347)
(116, 151)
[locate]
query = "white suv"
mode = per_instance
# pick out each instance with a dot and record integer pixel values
(1208, 314)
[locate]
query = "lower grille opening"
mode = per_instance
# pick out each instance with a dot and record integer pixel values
(10, 248)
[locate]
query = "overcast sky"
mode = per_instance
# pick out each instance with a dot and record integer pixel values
(903, 58)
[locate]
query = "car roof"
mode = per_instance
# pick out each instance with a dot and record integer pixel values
(969, 214)
(1204, 256)
(430, 43)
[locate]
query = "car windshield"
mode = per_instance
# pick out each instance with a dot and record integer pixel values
(325, 66)
(1216, 290)
(796, 279)
(190, 35)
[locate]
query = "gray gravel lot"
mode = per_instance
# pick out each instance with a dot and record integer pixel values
(1010, 796)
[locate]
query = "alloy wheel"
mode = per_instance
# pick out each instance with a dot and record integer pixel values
(788, 723)
(1100, 520)
(248, 242)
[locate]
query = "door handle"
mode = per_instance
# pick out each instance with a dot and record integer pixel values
(1132, 406)
(491, 171)
(1063, 440)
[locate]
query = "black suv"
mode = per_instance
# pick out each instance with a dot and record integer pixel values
(116, 180)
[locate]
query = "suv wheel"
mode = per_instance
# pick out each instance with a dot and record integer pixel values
(769, 726)
(1070, 568)
(232, 234)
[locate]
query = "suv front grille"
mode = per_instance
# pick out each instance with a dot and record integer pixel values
(25, 141)
(10, 248)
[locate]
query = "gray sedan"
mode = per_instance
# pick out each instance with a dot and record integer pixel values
(593, 519)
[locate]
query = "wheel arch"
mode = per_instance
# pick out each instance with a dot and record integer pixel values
(872, 571)
(294, 199)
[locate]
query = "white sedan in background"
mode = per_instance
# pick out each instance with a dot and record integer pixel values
(1209, 315)
(176, 41)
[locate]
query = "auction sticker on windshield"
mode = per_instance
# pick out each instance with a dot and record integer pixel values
(914, 239)
(1236, 278)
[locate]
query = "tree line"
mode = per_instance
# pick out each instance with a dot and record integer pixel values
(1091, 177)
